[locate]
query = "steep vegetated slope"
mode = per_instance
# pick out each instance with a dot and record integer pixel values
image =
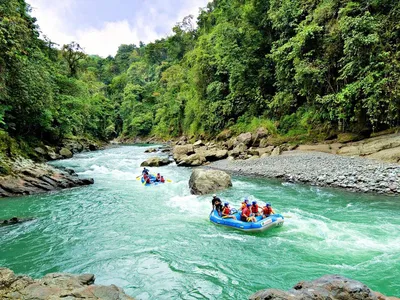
(295, 67)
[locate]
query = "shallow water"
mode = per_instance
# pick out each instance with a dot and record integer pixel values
(157, 243)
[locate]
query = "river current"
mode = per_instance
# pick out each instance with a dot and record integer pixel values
(157, 242)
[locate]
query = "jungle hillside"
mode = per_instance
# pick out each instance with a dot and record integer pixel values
(295, 67)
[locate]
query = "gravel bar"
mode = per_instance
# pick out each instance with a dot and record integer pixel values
(321, 169)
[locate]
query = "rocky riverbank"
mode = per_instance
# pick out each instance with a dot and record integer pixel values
(20, 175)
(321, 169)
(69, 286)
(56, 286)
(25, 177)
(326, 287)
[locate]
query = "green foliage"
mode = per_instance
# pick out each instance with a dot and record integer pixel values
(245, 124)
(295, 67)
(42, 94)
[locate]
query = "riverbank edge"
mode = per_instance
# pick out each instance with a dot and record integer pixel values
(72, 286)
(24, 168)
(320, 169)
(325, 287)
(56, 285)
(355, 173)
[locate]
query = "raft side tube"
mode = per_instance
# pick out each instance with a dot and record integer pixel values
(275, 220)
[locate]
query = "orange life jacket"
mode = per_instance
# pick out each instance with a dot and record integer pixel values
(254, 209)
(226, 211)
(267, 210)
(245, 212)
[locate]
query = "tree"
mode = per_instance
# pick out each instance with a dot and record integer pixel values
(73, 53)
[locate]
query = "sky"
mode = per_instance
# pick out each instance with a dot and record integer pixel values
(100, 26)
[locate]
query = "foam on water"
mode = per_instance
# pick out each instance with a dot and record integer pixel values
(157, 241)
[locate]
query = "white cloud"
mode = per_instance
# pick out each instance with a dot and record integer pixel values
(51, 19)
(56, 18)
(106, 40)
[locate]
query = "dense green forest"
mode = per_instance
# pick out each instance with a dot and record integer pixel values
(293, 66)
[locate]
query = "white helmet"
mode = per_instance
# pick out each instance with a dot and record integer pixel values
(214, 195)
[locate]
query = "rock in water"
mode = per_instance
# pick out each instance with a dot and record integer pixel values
(66, 153)
(326, 287)
(28, 177)
(14, 220)
(207, 181)
(151, 150)
(155, 162)
(56, 286)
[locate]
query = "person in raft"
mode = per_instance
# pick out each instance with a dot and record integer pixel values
(146, 179)
(162, 180)
(158, 177)
(267, 210)
(255, 209)
(226, 212)
(216, 204)
(244, 203)
(145, 171)
(246, 215)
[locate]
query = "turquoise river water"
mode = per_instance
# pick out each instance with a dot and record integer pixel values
(157, 242)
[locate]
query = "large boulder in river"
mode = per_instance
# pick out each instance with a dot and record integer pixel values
(155, 162)
(208, 181)
(64, 152)
(326, 287)
(56, 286)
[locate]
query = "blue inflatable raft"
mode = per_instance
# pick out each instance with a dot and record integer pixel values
(152, 180)
(275, 220)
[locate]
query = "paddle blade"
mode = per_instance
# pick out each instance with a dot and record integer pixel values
(169, 180)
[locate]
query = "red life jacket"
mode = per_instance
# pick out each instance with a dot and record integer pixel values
(162, 179)
(254, 209)
(226, 211)
(148, 180)
(267, 210)
(245, 212)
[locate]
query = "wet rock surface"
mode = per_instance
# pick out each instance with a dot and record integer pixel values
(14, 220)
(28, 177)
(321, 169)
(326, 287)
(56, 286)
(208, 181)
(155, 162)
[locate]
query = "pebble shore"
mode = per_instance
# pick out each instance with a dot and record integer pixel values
(321, 169)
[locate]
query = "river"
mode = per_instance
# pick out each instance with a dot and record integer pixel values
(157, 242)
